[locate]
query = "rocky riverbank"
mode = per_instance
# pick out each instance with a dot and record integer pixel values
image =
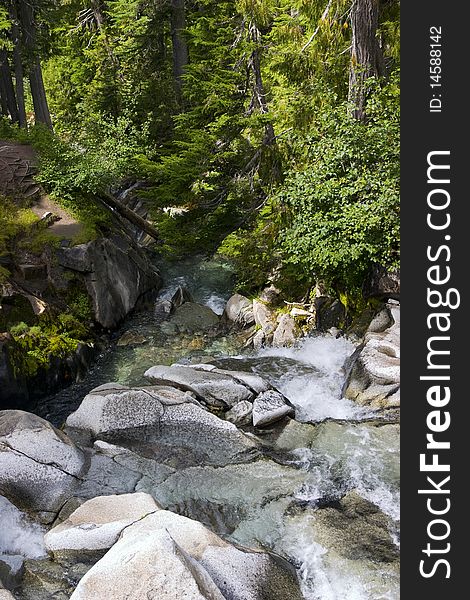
(58, 296)
(238, 477)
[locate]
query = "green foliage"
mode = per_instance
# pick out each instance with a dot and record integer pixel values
(339, 214)
(36, 345)
(319, 201)
(343, 209)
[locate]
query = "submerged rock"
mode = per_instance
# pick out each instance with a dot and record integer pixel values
(356, 528)
(40, 467)
(167, 555)
(132, 338)
(191, 318)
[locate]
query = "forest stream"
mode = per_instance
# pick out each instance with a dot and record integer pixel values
(326, 494)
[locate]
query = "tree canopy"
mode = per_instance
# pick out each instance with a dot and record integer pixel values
(272, 126)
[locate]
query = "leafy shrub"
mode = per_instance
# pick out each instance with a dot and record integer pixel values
(338, 212)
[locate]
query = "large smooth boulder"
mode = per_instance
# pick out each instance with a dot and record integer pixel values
(215, 389)
(114, 407)
(117, 274)
(169, 556)
(161, 422)
(192, 318)
(239, 311)
(40, 467)
(374, 368)
(97, 524)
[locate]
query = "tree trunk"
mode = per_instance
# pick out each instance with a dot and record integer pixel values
(130, 215)
(18, 66)
(366, 55)
(8, 91)
(3, 98)
(259, 101)
(38, 92)
(180, 47)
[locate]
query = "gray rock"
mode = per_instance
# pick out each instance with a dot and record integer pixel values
(287, 332)
(250, 380)
(381, 321)
(40, 467)
(105, 477)
(382, 284)
(191, 318)
(239, 310)
(270, 407)
(162, 309)
(158, 422)
(265, 317)
(374, 368)
(259, 339)
(201, 564)
(116, 273)
(202, 438)
(111, 408)
(215, 389)
(240, 414)
(181, 296)
(134, 462)
(78, 258)
(98, 523)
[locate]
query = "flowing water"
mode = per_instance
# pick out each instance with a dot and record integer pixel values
(335, 447)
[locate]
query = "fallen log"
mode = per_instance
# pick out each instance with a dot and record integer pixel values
(111, 202)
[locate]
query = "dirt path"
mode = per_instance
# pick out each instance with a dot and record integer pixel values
(67, 227)
(17, 170)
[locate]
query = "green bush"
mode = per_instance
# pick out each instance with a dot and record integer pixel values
(337, 213)
(51, 338)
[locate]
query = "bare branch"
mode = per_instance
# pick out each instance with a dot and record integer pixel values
(323, 17)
